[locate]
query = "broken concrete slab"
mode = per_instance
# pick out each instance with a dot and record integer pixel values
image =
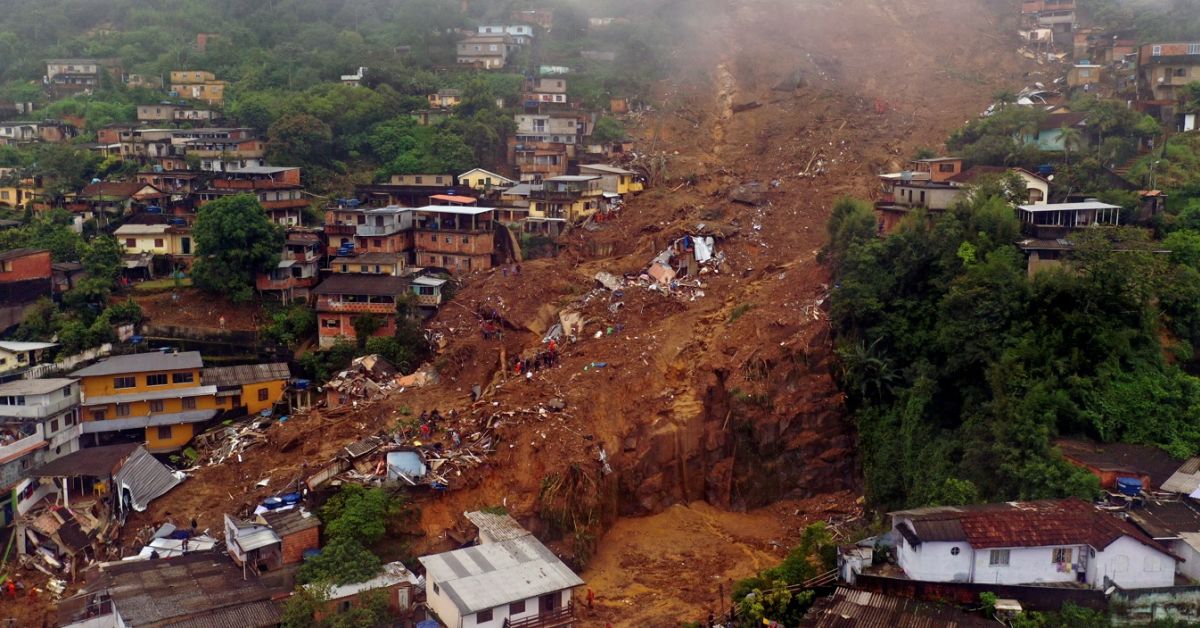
(753, 193)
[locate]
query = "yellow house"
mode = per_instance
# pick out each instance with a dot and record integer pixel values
(614, 180)
(20, 195)
(157, 393)
(258, 387)
(156, 239)
(480, 179)
(198, 85)
(370, 264)
(569, 198)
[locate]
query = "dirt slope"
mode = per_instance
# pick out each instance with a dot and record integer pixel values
(726, 398)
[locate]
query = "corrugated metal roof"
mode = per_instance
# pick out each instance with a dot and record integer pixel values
(486, 576)
(370, 285)
(496, 527)
(1068, 207)
(142, 363)
(605, 168)
(259, 536)
(253, 615)
(392, 574)
(289, 522)
(852, 608)
(222, 376)
(145, 478)
(1186, 478)
(11, 345)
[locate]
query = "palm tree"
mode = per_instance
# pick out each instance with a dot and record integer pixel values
(1071, 137)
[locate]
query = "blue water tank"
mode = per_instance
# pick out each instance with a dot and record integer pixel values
(154, 209)
(1129, 486)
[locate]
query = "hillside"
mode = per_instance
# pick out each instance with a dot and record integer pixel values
(721, 394)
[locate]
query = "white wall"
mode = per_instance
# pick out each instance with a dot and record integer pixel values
(447, 612)
(1025, 565)
(1190, 567)
(1133, 565)
(936, 562)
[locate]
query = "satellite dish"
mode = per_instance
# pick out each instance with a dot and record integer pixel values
(1050, 178)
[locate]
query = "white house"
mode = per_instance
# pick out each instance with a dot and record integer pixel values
(522, 34)
(18, 355)
(510, 577)
(1174, 523)
(1037, 188)
(1043, 542)
(39, 422)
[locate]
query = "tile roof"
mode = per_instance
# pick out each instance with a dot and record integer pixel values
(252, 615)
(852, 608)
(143, 362)
(112, 189)
(1121, 457)
(1024, 524)
(486, 576)
(221, 376)
(289, 522)
(93, 461)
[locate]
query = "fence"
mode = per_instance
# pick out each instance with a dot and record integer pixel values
(42, 370)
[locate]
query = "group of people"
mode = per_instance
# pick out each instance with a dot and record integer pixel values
(544, 359)
(429, 426)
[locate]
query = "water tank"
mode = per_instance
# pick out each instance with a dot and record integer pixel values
(1129, 486)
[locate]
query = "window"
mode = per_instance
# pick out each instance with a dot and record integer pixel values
(345, 268)
(1062, 555)
(483, 617)
(157, 379)
(436, 590)
(1194, 49)
(130, 243)
(67, 391)
(12, 400)
(417, 180)
(377, 242)
(182, 378)
(466, 239)
(97, 415)
(158, 243)
(54, 426)
(1156, 51)
(164, 432)
(263, 393)
(156, 405)
(516, 608)
(331, 323)
(124, 382)
(189, 403)
(954, 551)
(998, 558)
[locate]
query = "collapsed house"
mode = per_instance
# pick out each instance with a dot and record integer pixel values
(368, 378)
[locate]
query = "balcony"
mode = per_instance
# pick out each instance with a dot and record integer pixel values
(327, 304)
(251, 184)
(548, 619)
(377, 230)
(291, 203)
(24, 445)
(41, 411)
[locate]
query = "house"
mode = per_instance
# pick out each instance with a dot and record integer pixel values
(198, 85)
(395, 580)
(1043, 542)
(18, 132)
(39, 422)
(1164, 69)
(173, 112)
(200, 589)
(1037, 188)
(57, 131)
(25, 277)
(232, 163)
(1058, 15)
(542, 18)
(537, 160)
(21, 193)
(1175, 524)
(521, 34)
(115, 198)
(488, 53)
(907, 197)
(253, 545)
(254, 387)
(178, 184)
(1150, 466)
(296, 272)
(423, 180)
(70, 76)
(554, 127)
(456, 238)
(162, 239)
(158, 393)
(298, 530)
(614, 180)
(1085, 75)
(342, 298)
(935, 169)
(379, 230)
(563, 200)
(545, 91)
(428, 291)
(370, 263)
(445, 98)
(354, 80)
(1056, 220)
(278, 190)
(509, 579)
(480, 179)
(1050, 132)
(20, 355)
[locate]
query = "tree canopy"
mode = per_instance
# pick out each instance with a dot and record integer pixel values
(234, 241)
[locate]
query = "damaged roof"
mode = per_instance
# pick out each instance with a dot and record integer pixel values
(1185, 479)
(1021, 524)
(145, 478)
(97, 462)
(496, 527)
(222, 376)
(1167, 519)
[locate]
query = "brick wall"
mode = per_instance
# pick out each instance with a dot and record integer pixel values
(294, 545)
(35, 265)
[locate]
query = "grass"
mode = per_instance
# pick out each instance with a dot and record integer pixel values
(161, 284)
(740, 311)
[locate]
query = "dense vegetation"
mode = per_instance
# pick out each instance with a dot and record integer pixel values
(1154, 20)
(961, 369)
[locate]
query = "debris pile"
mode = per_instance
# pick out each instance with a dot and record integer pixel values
(368, 378)
(227, 442)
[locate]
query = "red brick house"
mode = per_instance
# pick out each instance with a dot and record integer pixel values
(299, 530)
(342, 298)
(25, 276)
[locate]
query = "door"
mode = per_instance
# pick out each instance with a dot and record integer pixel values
(550, 602)
(186, 245)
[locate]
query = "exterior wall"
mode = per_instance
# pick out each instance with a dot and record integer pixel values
(936, 198)
(33, 266)
(157, 243)
(180, 435)
(478, 180)
(1131, 565)
(431, 180)
(1078, 76)
(1026, 565)
(1190, 566)
(295, 545)
(251, 392)
(936, 562)
(352, 267)
(334, 326)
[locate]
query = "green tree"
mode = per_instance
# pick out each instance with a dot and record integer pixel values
(365, 326)
(1071, 139)
(299, 139)
(342, 561)
(234, 241)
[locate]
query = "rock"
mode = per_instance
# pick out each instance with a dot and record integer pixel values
(556, 404)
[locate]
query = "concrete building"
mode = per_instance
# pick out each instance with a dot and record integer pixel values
(39, 422)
